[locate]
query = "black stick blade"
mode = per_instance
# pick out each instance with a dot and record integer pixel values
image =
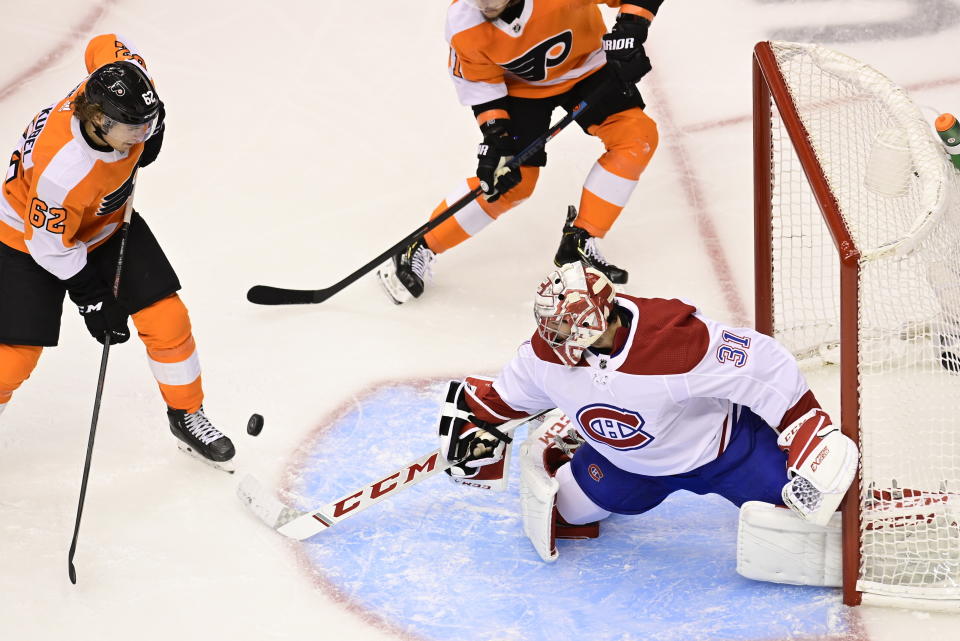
(266, 295)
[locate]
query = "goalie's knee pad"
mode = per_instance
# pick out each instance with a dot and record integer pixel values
(540, 457)
(774, 544)
(821, 464)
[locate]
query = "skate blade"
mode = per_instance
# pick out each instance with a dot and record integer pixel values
(394, 289)
(226, 466)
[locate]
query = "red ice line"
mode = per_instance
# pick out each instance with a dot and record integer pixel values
(57, 50)
(694, 192)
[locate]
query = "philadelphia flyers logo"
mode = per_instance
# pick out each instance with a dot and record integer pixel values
(615, 427)
(118, 88)
(533, 64)
(116, 199)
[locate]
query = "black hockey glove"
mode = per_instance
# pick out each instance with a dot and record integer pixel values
(496, 150)
(151, 147)
(624, 47)
(100, 310)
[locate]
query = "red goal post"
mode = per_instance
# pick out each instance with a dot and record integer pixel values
(857, 263)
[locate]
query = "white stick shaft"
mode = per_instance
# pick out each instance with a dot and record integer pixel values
(330, 514)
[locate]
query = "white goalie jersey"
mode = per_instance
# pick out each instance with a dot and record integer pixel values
(663, 402)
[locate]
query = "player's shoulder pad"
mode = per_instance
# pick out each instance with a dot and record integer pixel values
(112, 47)
(461, 17)
(68, 165)
(669, 337)
(536, 349)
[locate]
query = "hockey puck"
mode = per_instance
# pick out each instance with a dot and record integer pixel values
(255, 424)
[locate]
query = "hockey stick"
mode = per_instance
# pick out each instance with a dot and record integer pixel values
(267, 295)
(301, 525)
(124, 231)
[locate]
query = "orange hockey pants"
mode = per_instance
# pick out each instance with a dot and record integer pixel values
(164, 328)
(629, 137)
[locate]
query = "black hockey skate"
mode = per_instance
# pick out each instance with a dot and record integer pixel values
(200, 438)
(577, 244)
(403, 276)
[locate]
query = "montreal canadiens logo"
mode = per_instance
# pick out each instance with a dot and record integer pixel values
(613, 426)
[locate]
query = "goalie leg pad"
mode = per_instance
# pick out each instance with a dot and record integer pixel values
(543, 455)
(538, 499)
(774, 544)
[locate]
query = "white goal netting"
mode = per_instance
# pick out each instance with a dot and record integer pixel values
(899, 226)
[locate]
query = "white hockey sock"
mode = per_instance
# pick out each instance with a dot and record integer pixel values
(572, 503)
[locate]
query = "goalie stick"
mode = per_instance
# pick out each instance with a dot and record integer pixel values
(267, 295)
(301, 525)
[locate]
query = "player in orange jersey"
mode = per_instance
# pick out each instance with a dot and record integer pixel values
(513, 62)
(62, 201)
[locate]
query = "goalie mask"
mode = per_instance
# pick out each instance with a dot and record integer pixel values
(571, 308)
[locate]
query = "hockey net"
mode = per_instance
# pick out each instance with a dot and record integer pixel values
(858, 274)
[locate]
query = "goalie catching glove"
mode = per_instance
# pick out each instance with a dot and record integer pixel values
(821, 465)
(479, 449)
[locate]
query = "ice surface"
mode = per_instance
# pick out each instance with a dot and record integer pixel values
(303, 139)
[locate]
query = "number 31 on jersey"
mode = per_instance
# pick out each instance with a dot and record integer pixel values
(734, 349)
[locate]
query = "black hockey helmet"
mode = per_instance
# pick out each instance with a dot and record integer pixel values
(124, 93)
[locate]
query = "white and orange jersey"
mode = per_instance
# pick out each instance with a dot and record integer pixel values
(61, 196)
(665, 402)
(544, 52)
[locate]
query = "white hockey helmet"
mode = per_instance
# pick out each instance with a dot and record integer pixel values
(571, 307)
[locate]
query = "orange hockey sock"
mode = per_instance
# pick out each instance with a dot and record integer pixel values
(16, 365)
(630, 138)
(478, 214)
(164, 328)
